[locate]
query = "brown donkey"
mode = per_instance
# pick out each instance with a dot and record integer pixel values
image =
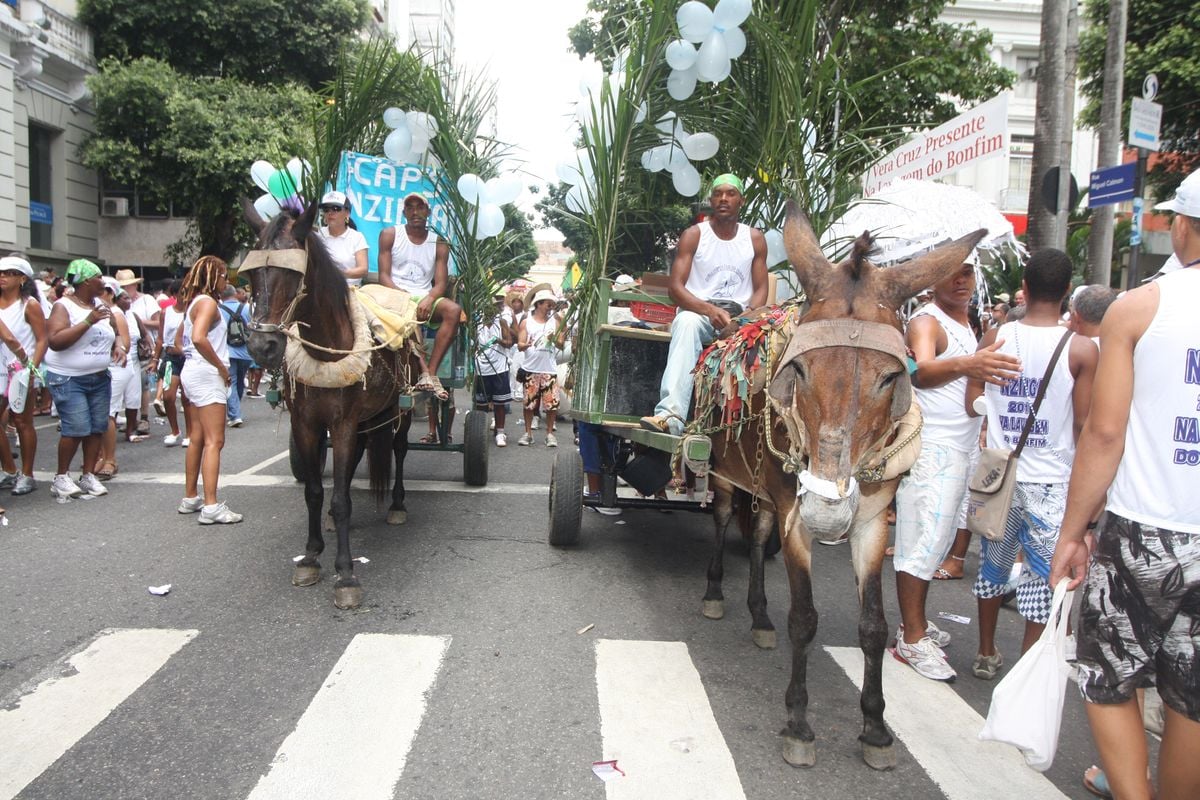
(839, 430)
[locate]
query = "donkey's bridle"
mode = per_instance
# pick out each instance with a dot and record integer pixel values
(294, 259)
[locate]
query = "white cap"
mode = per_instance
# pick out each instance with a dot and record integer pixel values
(334, 199)
(544, 294)
(16, 263)
(111, 284)
(1187, 198)
(624, 280)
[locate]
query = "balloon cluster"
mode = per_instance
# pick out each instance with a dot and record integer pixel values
(721, 40)
(282, 186)
(408, 143)
(582, 182)
(677, 151)
(487, 197)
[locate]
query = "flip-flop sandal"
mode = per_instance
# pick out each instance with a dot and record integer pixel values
(428, 438)
(433, 385)
(1095, 781)
(137, 437)
(107, 470)
(941, 574)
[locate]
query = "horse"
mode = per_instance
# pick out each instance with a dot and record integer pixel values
(334, 381)
(837, 428)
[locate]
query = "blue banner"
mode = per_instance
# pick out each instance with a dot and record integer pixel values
(41, 212)
(1112, 185)
(377, 188)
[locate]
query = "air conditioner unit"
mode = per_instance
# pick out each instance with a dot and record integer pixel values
(114, 207)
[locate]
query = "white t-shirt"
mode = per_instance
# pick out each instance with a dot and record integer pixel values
(491, 358)
(90, 353)
(542, 355)
(412, 264)
(343, 249)
(145, 307)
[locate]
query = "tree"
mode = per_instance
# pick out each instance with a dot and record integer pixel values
(1164, 38)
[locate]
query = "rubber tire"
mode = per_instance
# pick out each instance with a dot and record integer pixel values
(566, 498)
(475, 449)
(294, 458)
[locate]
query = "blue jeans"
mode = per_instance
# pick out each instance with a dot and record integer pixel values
(82, 402)
(590, 447)
(690, 334)
(238, 367)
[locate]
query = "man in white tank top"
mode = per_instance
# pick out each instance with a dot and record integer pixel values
(420, 265)
(1139, 623)
(718, 260)
(929, 498)
(1045, 463)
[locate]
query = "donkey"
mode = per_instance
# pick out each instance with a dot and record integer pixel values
(840, 428)
(293, 280)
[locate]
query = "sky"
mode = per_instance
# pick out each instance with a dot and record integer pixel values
(523, 46)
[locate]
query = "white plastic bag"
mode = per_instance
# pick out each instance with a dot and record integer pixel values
(1027, 704)
(18, 390)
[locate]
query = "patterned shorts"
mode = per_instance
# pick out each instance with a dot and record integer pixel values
(928, 503)
(1139, 625)
(1032, 527)
(541, 391)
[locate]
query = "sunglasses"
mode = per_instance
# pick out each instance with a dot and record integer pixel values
(333, 208)
(12, 273)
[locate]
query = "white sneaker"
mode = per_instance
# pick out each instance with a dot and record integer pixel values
(525, 440)
(172, 440)
(185, 441)
(218, 515)
(492, 424)
(190, 505)
(501, 439)
(90, 484)
(63, 486)
(236, 422)
(24, 485)
(926, 658)
(936, 635)
(535, 423)
(606, 511)
(8, 479)
(551, 440)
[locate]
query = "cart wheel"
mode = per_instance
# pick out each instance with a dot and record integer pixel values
(294, 457)
(566, 498)
(475, 449)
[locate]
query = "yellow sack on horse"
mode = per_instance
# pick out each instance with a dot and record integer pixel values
(391, 313)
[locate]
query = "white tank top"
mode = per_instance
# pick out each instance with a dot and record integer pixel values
(1050, 449)
(14, 318)
(216, 335)
(540, 357)
(946, 421)
(172, 319)
(135, 332)
(1158, 480)
(412, 264)
(721, 269)
(91, 352)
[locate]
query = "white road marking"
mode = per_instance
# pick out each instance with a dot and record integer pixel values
(656, 722)
(287, 482)
(942, 733)
(60, 711)
(266, 462)
(379, 686)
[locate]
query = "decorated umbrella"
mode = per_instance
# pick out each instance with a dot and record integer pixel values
(912, 217)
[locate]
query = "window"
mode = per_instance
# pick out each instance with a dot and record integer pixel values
(41, 198)
(1026, 83)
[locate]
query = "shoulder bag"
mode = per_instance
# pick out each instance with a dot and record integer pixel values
(991, 487)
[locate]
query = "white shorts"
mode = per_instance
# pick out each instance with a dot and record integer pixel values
(126, 389)
(203, 384)
(928, 502)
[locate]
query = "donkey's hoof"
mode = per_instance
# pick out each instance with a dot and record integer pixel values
(306, 574)
(330, 526)
(397, 516)
(763, 639)
(347, 597)
(799, 753)
(714, 609)
(880, 758)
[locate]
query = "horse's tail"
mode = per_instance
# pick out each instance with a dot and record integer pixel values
(379, 460)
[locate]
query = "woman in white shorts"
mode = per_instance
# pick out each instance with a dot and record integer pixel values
(206, 382)
(22, 315)
(125, 385)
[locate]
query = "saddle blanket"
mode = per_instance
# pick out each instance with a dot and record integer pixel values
(391, 314)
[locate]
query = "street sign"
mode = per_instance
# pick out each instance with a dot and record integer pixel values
(1150, 87)
(1112, 185)
(1050, 191)
(1145, 119)
(1135, 230)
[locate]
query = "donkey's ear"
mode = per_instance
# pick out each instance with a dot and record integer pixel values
(304, 225)
(803, 250)
(253, 218)
(906, 280)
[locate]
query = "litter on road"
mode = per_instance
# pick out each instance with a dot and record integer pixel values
(160, 590)
(607, 770)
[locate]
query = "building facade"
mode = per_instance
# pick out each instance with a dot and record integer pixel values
(429, 24)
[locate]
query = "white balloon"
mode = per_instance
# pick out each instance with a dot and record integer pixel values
(420, 142)
(659, 157)
(820, 166)
(398, 144)
(701, 146)
(622, 60)
(730, 13)
(567, 173)
(578, 200)
(735, 42)
(502, 189)
(261, 172)
(695, 21)
(776, 252)
(681, 54)
(640, 116)
(677, 159)
(681, 83)
(296, 168)
(666, 123)
(584, 161)
(266, 206)
(686, 181)
(394, 117)
(808, 132)
(713, 58)
(820, 198)
(489, 221)
(470, 187)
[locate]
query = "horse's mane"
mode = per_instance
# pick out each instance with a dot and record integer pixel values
(858, 254)
(324, 284)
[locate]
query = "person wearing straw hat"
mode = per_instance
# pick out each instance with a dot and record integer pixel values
(720, 263)
(539, 341)
(146, 309)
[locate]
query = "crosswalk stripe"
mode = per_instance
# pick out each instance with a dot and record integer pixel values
(249, 479)
(377, 690)
(656, 722)
(49, 720)
(942, 732)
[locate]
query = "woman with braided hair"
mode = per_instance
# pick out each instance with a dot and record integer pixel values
(206, 381)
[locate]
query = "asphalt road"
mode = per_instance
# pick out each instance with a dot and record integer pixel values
(470, 671)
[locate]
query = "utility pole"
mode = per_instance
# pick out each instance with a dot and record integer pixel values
(1100, 239)
(1047, 130)
(1070, 71)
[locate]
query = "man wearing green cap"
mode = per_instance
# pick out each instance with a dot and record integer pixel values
(720, 265)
